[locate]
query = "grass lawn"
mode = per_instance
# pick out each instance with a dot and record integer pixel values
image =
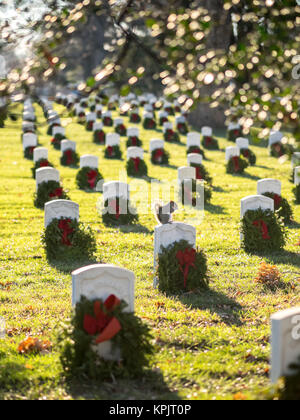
(209, 345)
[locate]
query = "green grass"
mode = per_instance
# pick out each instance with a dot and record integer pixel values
(209, 345)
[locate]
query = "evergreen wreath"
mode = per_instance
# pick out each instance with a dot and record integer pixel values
(28, 152)
(290, 391)
(89, 125)
(163, 120)
(69, 158)
(297, 193)
(99, 137)
(136, 167)
(181, 268)
(134, 141)
(135, 118)
(99, 114)
(113, 152)
(234, 134)
(210, 143)
(282, 207)
(160, 157)
(121, 130)
(77, 341)
(50, 128)
(202, 173)
(249, 155)
(56, 141)
(111, 106)
(182, 128)
(87, 178)
(112, 216)
(68, 239)
(48, 191)
(93, 108)
(41, 163)
(277, 150)
(196, 149)
(189, 197)
(149, 124)
(236, 165)
(107, 122)
(81, 118)
(170, 110)
(171, 136)
(262, 231)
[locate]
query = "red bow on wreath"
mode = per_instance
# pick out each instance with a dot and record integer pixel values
(170, 134)
(101, 136)
(114, 204)
(263, 227)
(158, 155)
(44, 163)
(66, 230)
(186, 259)
(246, 153)
(134, 141)
(195, 150)
(199, 173)
(236, 132)
(110, 151)
(208, 140)
(136, 162)
(151, 124)
(69, 156)
(92, 177)
(104, 324)
(31, 149)
(236, 163)
(56, 193)
(277, 199)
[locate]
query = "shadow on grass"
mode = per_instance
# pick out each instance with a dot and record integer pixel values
(248, 176)
(67, 266)
(137, 228)
(283, 257)
(212, 208)
(151, 386)
(216, 303)
(293, 225)
(219, 189)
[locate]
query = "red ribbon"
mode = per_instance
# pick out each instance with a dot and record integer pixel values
(136, 162)
(134, 117)
(69, 155)
(263, 227)
(195, 150)
(104, 324)
(236, 163)
(186, 259)
(92, 177)
(110, 151)
(66, 230)
(208, 140)
(31, 149)
(114, 204)
(90, 125)
(134, 140)
(101, 136)
(158, 155)
(44, 163)
(170, 134)
(56, 193)
(236, 133)
(198, 173)
(107, 120)
(246, 153)
(277, 199)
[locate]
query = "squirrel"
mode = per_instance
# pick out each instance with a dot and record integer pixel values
(164, 213)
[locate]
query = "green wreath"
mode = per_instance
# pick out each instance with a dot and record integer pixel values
(202, 173)
(171, 136)
(277, 150)
(196, 149)
(135, 118)
(56, 141)
(262, 231)
(190, 197)
(149, 124)
(136, 168)
(87, 178)
(28, 152)
(160, 157)
(99, 137)
(290, 391)
(76, 243)
(210, 143)
(41, 163)
(163, 120)
(134, 142)
(48, 191)
(121, 130)
(282, 207)
(183, 128)
(297, 193)
(78, 354)
(249, 155)
(176, 277)
(111, 213)
(107, 121)
(234, 134)
(69, 158)
(169, 110)
(236, 165)
(89, 125)
(113, 152)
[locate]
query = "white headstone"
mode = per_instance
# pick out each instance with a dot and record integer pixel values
(67, 144)
(40, 153)
(231, 152)
(28, 125)
(275, 137)
(193, 139)
(285, 342)
(46, 174)
(99, 107)
(167, 126)
(106, 114)
(255, 202)
(269, 186)
(180, 120)
(148, 115)
(135, 152)
(57, 209)
(97, 126)
(58, 130)
(165, 235)
(207, 131)
(156, 144)
(234, 126)
(115, 189)
(112, 139)
(91, 116)
(242, 143)
(133, 132)
(186, 172)
(29, 140)
(163, 114)
(89, 161)
(297, 176)
(118, 121)
(195, 158)
(296, 159)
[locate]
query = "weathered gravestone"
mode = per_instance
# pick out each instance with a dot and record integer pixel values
(269, 185)
(58, 209)
(242, 143)
(29, 140)
(40, 153)
(112, 139)
(194, 158)
(89, 161)
(135, 152)
(46, 174)
(193, 139)
(231, 151)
